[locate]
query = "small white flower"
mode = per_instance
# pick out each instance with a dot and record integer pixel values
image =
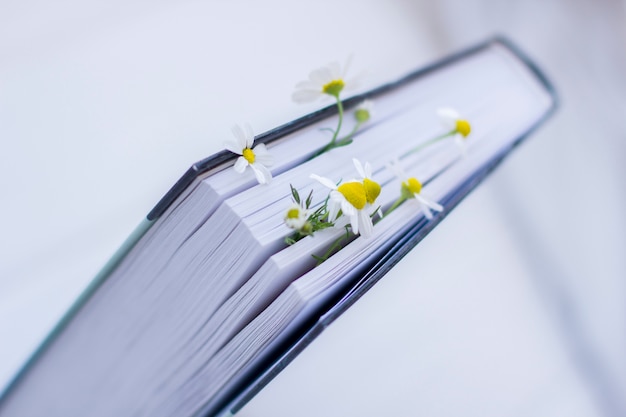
(350, 197)
(363, 111)
(458, 126)
(411, 189)
(258, 158)
(296, 216)
(372, 188)
(322, 83)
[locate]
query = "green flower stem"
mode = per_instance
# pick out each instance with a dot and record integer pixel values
(426, 144)
(348, 137)
(340, 110)
(395, 205)
(336, 244)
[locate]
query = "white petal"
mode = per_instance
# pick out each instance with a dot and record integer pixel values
(306, 96)
(427, 212)
(366, 225)
(263, 175)
(448, 116)
(249, 135)
(324, 181)
(359, 167)
(240, 136)
(240, 164)
(354, 222)
(262, 156)
(321, 76)
(347, 208)
(428, 202)
(333, 209)
(368, 170)
(460, 143)
(308, 85)
(335, 70)
(233, 146)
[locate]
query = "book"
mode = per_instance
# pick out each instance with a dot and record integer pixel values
(211, 296)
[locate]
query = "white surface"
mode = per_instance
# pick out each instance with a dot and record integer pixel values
(103, 105)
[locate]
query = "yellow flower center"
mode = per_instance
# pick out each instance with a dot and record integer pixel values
(354, 192)
(410, 187)
(248, 155)
(463, 127)
(333, 88)
(293, 213)
(362, 115)
(372, 190)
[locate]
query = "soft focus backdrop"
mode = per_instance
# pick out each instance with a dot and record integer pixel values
(515, 305)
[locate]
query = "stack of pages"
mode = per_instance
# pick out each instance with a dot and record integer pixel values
(207, 302)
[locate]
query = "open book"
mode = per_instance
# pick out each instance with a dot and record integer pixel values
(210, 298)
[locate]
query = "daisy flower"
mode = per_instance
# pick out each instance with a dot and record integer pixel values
(323, 82)
(296, 216)
(257, 158)
(363, 111)
(372, 188)
(349, 197)
(458, 126)
(411, 189)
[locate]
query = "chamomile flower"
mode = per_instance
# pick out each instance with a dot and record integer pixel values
(257, 158)
(323, 82)
(363, 111)
(458, 126)
(296, 216)
(372, 188)
(411, 190)
(349, 197)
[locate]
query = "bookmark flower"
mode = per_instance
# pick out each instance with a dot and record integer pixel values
(372, 188)
(351, 198)
(411, 189)
(257, 158)
(296, 216)
(323, 82)
(363, 111)
(458, 126)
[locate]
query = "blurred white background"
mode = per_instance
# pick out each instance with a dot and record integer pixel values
(515, 305)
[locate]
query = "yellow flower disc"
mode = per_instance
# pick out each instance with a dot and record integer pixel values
(293, 213)
(248, 155)
(414, 185)
(463, 127)
(334, 87)
(354, 192)
(372, 190)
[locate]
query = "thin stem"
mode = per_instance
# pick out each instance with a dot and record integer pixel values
(332, 248)
(349, 135)
(340, 110)
(426, 144)
(395, 205)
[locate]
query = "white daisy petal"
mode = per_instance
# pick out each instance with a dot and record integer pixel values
(324, 181)
(240, 137)
(347, 208)
(354, 222)
(346, 67)
(233, 146)
(249, 135)
(428, 202)
(305, 96)
(368, 170)
(448, 116)
(240, 164)
(262, 154)
(307, 85)
(321, 76)
(427, 212)
(359, 168)
(263, 175)
(366, 225)
(335, 70)
(333, 209)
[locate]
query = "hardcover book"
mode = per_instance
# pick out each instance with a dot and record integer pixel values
(257, 249)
